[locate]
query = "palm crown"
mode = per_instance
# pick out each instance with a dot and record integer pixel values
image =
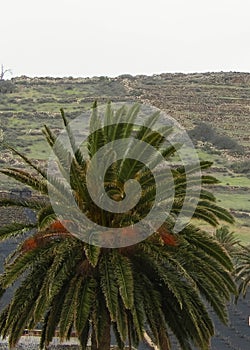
(160, 284)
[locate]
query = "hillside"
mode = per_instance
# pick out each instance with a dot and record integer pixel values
(220, 100)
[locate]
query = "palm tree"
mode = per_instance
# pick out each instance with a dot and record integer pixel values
(243, 269)
(228, 240)
(159, 284)
(240, 255)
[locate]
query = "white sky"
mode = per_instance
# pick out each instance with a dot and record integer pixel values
(112, 37)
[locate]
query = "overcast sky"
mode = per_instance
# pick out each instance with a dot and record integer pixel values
(112, 37)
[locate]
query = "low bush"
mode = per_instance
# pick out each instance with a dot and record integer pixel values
(6, 86)
(204, 132)
(241, 167)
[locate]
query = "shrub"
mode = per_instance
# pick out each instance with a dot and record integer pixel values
(6, 86)
(204, 132)
(241, 167)
(225, 142)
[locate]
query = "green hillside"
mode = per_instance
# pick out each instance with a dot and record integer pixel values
(220, 100)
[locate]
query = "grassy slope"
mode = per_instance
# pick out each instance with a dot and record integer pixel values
(222, 99)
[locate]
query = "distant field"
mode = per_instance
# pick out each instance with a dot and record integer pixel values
(242, 231)
(235, 180)
(236, 201)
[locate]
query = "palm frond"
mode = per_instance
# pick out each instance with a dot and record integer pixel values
(92, 253)
(109, 285)
(45, 216)
(86, 297)
(124, 276)
(26, 178)
(29, 162)
(76, 150)
(31, 203)
(121, 321)
(208, 244)
(15, 229)
(69, 306)
(221, 213)
(96, 138)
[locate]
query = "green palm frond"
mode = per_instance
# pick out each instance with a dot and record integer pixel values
(203, 214)
(118, 128)
(130, 119)
(124, 276)
(226, 238)
(86, 296)
(31, 203)
(92, 253)
(119, 341)
(69, 307)
(152, 305)
(15, 229)
(108, 284)
(45, 216)
(243, 270)
(3, 318)
(138, 311)
(61, 152)
(62, 266)
(194, 321)
(53, 317)
(121, 321)
(219, 212)
(84, 336)
(209, 180)
(205, 242)
(207, 195)
(149, 124)
(21, 263)
(193, 168)
(29, 162)
(66, 161)
(77, 153)
(208, 277)
(96, 139)
(26, 178)
(22, 304)
(171, 150)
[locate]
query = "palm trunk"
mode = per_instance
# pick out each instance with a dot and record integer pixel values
(150, 342)
(164, 342)
(164, 339)
(105, 342)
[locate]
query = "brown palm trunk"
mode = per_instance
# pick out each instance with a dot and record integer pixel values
(105, 342)
(164, 339)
